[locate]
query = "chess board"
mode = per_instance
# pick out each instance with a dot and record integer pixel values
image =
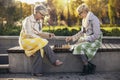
(61, 47)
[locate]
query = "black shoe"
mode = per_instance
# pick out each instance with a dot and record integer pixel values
(85, 70)
(92, 68)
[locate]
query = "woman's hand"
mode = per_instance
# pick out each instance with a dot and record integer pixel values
(81, 40)
(51, 35)
(68, 38)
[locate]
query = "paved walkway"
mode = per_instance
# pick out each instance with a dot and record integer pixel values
(63, 76)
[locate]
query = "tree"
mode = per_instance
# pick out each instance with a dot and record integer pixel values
(2, 13)
(117, 7)
(26, 9)
(117, 11)
(61, 9)
(10, 14)
(111, 10)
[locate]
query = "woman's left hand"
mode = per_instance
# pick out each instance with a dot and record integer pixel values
(81, 40)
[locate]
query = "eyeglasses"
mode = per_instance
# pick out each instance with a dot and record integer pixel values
(80, 13)
(42, 15)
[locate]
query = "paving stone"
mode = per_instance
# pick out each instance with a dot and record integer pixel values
(63, 76)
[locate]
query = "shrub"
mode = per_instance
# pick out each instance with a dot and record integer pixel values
(59, 31)
(65, 32)
(62, 32)
(10, 30)
(115, 32)
(105, 32)
(73, 31)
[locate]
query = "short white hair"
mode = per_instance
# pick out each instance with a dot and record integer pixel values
(82, 7)
(41, 8)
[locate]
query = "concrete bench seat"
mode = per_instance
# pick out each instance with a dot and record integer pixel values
(106, 59)
(113, 47)
(4, 66)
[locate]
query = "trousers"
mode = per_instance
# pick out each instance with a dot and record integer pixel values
(37, 61)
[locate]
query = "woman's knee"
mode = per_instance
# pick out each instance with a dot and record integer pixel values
(80, 47)
(47, 46)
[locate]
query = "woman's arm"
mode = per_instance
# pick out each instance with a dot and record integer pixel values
(44, 34)
(96, 30)
(28, 28)
(78, 35)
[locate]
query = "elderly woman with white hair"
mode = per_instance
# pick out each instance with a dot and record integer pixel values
(89, 39)
(33, 41)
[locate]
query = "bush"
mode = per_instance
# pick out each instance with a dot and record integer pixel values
(10, 30)
(65, 32)
(115, 32)
(15, 30)
(73, 31)
(62, 32)
(58, 32)
(105, 32)
(109, 25)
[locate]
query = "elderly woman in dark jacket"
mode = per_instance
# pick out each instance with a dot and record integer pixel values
(89, 38)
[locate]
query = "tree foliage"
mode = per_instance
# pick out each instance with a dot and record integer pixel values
(111, 10)
(63, 11)
(66, 9)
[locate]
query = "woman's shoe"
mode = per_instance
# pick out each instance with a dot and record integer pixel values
(92, 68)
(85, 70)
(58, 63)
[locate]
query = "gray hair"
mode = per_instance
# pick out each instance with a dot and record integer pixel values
(41, 8)
(82, 7)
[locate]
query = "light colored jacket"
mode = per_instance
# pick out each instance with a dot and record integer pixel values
(31, 28)
(31, 37)
(92, 27)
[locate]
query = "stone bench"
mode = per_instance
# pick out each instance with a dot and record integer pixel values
(106, 59)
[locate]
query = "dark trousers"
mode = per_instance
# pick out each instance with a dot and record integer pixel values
(36, 59)
(84, 58)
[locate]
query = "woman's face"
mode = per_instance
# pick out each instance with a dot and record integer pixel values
(83, 14)
(39, 16)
